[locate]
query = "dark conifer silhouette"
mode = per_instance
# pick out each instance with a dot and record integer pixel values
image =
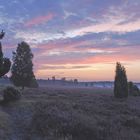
(120, 83)
(5, 63)
(22, 68)
(2, 34)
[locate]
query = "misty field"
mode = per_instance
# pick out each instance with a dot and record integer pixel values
(70, 114)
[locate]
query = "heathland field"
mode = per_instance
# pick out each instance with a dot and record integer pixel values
(70, 114)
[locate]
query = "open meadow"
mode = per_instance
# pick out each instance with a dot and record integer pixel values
(70, 114)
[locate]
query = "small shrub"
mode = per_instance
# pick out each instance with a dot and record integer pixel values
(11, 94)
(133, 89)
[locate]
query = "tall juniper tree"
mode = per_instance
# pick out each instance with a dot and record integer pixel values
(22, 68)
(5, 63)
(120, 83)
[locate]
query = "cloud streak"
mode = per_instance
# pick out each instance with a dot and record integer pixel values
(39, 20)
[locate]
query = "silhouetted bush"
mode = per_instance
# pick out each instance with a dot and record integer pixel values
(133, 89)
(120, 83)
(11, 94)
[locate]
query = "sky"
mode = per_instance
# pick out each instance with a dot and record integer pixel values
(80, 39)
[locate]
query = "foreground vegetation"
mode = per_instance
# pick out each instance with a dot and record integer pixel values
(72, 114)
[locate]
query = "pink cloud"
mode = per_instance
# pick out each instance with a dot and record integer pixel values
(126, 54)
(39, 20)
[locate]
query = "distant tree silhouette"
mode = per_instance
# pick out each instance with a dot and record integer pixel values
(120, 83)
(63, 80)
(22, 68)
(53, 79)
(5, 63)
(76, 81)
